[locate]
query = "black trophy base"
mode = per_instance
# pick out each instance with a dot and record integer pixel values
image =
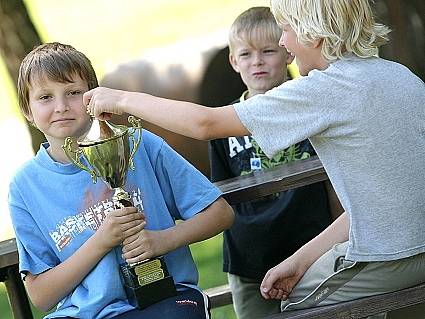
(147, 282)
(144, 296)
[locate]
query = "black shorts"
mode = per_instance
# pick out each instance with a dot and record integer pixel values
(188, 304)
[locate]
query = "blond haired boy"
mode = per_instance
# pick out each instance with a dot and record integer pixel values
(367, 130)
(272, 228)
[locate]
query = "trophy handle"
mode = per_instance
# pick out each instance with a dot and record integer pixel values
(74, 157)
(137, 125)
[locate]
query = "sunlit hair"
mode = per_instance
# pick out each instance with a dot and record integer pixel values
(343, 25)
(253, 24)
(55, 62)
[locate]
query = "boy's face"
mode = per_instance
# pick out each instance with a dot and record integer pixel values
(308, 57)
(262, 65)
(57, 108)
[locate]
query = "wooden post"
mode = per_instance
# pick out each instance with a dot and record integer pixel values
(15, 290)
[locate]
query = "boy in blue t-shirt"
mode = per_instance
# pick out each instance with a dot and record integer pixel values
(268, 230)
(67, 230)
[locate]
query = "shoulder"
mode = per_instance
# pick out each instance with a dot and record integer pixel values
(150, 141)
(25, 170)
(370, 68)
(22, 179)
(156, 148)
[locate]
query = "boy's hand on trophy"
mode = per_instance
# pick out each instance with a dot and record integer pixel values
(118, 225)
(147, 244)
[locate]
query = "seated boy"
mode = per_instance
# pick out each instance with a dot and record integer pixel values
(68, 232)
(268, 230)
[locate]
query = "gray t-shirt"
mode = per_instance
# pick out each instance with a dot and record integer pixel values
(366, 120)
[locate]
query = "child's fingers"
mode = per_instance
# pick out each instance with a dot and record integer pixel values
(131, 230)
(86, 98)
(124, 211)
(138, 258)
(267, 284)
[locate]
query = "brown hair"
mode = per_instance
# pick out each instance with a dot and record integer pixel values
(54, 61)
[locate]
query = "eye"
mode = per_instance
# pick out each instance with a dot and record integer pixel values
(244, 54)
(44, 97)
(75, 92)
(269, 51)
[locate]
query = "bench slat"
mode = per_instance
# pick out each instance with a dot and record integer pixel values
(361, 308)
(219, 296)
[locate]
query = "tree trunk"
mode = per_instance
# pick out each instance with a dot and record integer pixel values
(18, 36)
(406, 18)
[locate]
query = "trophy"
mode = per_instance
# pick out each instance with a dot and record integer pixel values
(106, 148)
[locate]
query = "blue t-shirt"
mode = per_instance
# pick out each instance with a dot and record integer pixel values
(55, 208)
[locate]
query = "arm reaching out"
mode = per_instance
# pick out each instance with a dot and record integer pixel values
(189, 119)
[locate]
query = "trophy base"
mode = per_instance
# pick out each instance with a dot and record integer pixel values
(144, 296)
(147, 282)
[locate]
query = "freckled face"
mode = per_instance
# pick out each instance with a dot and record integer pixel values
(57, 108)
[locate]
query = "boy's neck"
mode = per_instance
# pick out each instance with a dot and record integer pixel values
(248, 94)
(57, 154)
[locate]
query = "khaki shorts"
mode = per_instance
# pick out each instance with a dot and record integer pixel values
(333, 279)
(247, 300)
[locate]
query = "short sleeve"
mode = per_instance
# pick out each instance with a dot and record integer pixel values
(186, 190)
(35, 253)
(287, 114)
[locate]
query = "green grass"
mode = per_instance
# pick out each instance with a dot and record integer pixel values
(208, 257)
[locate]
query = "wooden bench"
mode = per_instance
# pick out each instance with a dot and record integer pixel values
(359, 308)
(9, 274)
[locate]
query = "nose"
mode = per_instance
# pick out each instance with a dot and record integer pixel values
(61, 105)
(281, 42)
(257, 58)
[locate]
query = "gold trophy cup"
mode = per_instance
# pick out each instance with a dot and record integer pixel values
(106, 148)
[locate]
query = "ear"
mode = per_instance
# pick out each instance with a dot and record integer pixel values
(317, 43)
(29, 117)
(233, 62)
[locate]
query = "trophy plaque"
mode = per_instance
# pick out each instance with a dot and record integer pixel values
(106, 148)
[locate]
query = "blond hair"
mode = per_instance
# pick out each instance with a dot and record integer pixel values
(345, 26)
(254, 23)
(56, 62)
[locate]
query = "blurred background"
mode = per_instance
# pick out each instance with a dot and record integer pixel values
(170, 48)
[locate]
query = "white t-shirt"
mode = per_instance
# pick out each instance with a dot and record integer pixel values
(366, 120)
